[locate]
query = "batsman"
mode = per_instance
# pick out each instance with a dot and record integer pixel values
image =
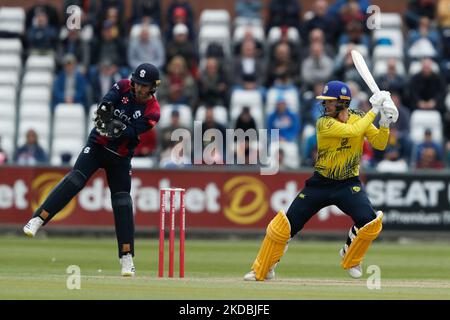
(129, 109)
(340, 135)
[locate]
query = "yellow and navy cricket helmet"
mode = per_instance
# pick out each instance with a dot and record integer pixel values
(335, 90)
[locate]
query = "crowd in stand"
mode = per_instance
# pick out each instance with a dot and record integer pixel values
(108, 46)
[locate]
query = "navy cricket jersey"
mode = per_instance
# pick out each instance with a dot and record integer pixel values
(138, 118)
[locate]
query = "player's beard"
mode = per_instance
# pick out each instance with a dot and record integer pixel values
(142, 95)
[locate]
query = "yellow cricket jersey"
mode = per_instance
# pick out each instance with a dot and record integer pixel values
(339, 145)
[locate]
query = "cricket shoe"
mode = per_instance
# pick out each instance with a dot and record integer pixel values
(354, 272)
(251, 276)
(128, 269)
(33, 226)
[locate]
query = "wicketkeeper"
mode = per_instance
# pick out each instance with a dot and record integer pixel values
(129, 109)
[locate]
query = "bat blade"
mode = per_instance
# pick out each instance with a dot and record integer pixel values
(364, 71)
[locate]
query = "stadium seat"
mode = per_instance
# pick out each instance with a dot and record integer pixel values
(7, 94)
(291, 96)
(10, 62)
(380, 68)
(65, 145)
(34, 111)
(214, 34)
(69, 121)
(220, 114)
(251, 98)
(185, 115)
(42, 130)
(12, 20)
(244, 21)
(425, 119)
(8, 112)
(153, 29)
(40, 62)
(142, 162)
(275, 35)
(389, 37)
(416, 66)
(291, 153)
(384, 52)
(343, 49)
(11, 46)
(391, 20)
(256, 31)
(9, 78)
(38, 78)
(35, 94)
(214, 17)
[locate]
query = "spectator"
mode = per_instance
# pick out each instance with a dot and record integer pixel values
(115, 18)
(182, 46)
(355, 34)
(249, 84)
(392, 80)
(3, 155)
(310, 149)
(427, 88)
(213, 84)
(104, 79)
(282, 64)
(319, 19)
(178, 86)
(31, 153)
(340, 5)
(417, 9)
(42, 37)
(42, 6)
(146, 48)
(402, 124)
(345, 69)
(399, 147)
(249, 37)
(210, 123)
(108, 47)
(425, 41)
(428, 143)
(248, 62)
(165, 136)
(180, 11)
(147, 144)
(317, 36)
(428, 159)
(392, 161)
(70, 84)
(73, 44)
(245, 120)
(317, 67)
(146, 9)
(313, 107)
(350, 12)
(284, 13)
(250, 9)
(285, 120)
(118, 15)
(246, 153)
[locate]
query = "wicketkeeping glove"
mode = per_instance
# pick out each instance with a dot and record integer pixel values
(112, 129)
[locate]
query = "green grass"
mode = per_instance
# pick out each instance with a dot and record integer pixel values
(36, 269)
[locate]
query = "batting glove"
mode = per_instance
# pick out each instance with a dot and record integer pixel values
(377, 99)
